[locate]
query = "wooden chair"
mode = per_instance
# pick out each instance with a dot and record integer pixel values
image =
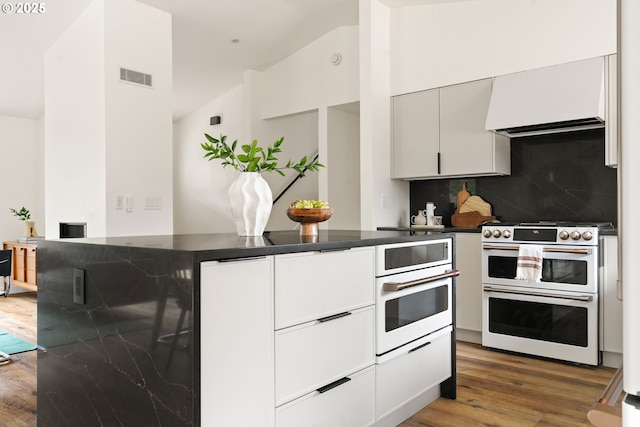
(5, 271)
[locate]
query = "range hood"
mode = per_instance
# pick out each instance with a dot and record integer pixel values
(554, 99)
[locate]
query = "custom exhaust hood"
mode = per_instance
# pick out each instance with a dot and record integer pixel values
(553, 99)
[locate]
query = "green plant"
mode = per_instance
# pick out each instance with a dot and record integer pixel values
(253, 157)
(23, 214)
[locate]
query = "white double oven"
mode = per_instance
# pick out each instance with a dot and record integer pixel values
(414, 288)
(556, 317)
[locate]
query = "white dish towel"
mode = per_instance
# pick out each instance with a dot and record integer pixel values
(529, 263)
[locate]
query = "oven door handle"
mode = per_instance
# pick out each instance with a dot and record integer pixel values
(586, 298)
(394, 286)
(585, 251)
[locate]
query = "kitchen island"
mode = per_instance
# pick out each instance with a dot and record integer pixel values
(144, 330)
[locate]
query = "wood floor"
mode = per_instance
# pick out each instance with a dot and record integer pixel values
(18, 383)
(494, 389)
(497, 389)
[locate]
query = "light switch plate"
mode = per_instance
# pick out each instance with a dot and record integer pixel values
(128, 203)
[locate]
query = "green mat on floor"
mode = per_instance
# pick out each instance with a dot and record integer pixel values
(11, 344)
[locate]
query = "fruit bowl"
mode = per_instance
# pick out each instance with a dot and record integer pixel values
(309, 218)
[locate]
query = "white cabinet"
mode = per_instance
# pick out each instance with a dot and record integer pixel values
(325, 338)
(441, 133)
(315, 354)
(289, 340)
(611, 111)
(469, 286)
(416, 134)
(237, 352)
(611, 306)
(311, 285)
(349, 404)
(401, 379)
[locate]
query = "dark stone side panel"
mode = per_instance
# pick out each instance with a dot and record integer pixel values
(113, 361)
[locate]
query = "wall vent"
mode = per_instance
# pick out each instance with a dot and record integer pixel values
(136, 77)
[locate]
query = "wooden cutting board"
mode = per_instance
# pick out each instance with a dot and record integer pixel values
(475, 204)
(462, 196)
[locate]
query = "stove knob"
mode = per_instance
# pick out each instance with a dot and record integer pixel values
(587, 235)
(496, 233)
(506, 234)
(564, 235)
(575, 235)
(487, 233)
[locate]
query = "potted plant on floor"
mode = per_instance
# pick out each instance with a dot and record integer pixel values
(250, 197)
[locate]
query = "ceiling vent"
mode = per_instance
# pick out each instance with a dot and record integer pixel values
(136, 77)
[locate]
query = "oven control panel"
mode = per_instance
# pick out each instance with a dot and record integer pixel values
(560, 235)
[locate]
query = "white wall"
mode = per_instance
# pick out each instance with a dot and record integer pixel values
(74, 126)
(343, 166)
(201, 204)
(442, 44)
(138, 119)
(21, 148)
(375, 124)
(200, 186)
(307, 79)
(103, 137)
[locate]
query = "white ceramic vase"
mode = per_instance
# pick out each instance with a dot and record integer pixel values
(251, 200)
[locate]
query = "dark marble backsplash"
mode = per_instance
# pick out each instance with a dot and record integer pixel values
(553, 177)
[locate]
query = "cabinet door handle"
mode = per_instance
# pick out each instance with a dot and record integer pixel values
(587, 298)
(334, 384)
(334, 317)
(247, 258)
(335, 250)
(438, 163)
(419, 347)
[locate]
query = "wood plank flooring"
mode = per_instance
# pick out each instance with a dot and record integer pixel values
(494, 389)
(498, 389)
(18, 382)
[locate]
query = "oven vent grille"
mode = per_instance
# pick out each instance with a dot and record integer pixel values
(136, 77)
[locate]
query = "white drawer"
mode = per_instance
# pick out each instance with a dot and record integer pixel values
(347, 405)
(314, 354)
(312, 285)
(402, 378)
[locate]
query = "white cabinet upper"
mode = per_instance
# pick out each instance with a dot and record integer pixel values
(441, 133)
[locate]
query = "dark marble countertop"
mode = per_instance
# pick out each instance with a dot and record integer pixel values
(225, 246)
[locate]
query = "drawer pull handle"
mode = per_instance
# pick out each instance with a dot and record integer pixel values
(247, 258)
(394, 286)
(334, 317)
(333, 385)
(419, 347)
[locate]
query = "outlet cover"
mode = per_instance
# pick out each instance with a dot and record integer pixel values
(152, 202)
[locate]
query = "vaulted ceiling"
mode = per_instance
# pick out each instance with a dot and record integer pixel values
(206, 63)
